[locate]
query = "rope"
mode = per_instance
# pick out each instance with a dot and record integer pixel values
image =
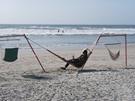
(96, 42)
(48, 50)
(37, 43)
(93, 46)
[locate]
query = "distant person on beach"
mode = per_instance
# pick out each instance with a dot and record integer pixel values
(62, 31)
(80, 61)
(58, 30)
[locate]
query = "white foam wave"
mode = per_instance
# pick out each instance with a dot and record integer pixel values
(67, 31)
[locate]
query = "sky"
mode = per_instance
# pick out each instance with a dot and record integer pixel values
(67, 12)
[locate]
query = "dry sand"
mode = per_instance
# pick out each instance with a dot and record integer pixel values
(101, 80)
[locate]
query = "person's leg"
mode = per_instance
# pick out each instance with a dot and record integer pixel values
(65, 66)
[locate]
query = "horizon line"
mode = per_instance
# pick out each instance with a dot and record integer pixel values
(68, 24)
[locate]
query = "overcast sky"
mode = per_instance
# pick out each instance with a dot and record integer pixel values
(67, 11)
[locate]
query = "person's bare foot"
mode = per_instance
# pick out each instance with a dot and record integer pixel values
(63, 68)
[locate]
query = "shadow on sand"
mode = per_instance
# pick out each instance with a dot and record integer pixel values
(95, 70)
(37, 77)
(130, 68)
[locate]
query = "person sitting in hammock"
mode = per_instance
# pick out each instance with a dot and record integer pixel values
(80, 61)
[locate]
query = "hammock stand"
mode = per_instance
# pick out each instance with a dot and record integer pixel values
(125, 44)
(6, 36)
(65, 60)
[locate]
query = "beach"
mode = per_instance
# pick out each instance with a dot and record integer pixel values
(101, 79)
(67, 50)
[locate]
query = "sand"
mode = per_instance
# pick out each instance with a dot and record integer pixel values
(101, 80)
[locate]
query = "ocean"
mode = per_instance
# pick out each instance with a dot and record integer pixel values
(64, 29)
(66, 36)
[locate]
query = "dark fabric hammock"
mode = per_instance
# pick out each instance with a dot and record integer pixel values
(76, 63)
(11, 54)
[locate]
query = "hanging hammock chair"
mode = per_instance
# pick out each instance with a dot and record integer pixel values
(113, 56)
(11, 54)
(9, 47)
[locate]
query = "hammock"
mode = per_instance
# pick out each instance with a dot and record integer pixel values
(73, 64)
(113, 56)
(63, 59)
(11, 54)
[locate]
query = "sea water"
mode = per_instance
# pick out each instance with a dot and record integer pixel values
(66, 36)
